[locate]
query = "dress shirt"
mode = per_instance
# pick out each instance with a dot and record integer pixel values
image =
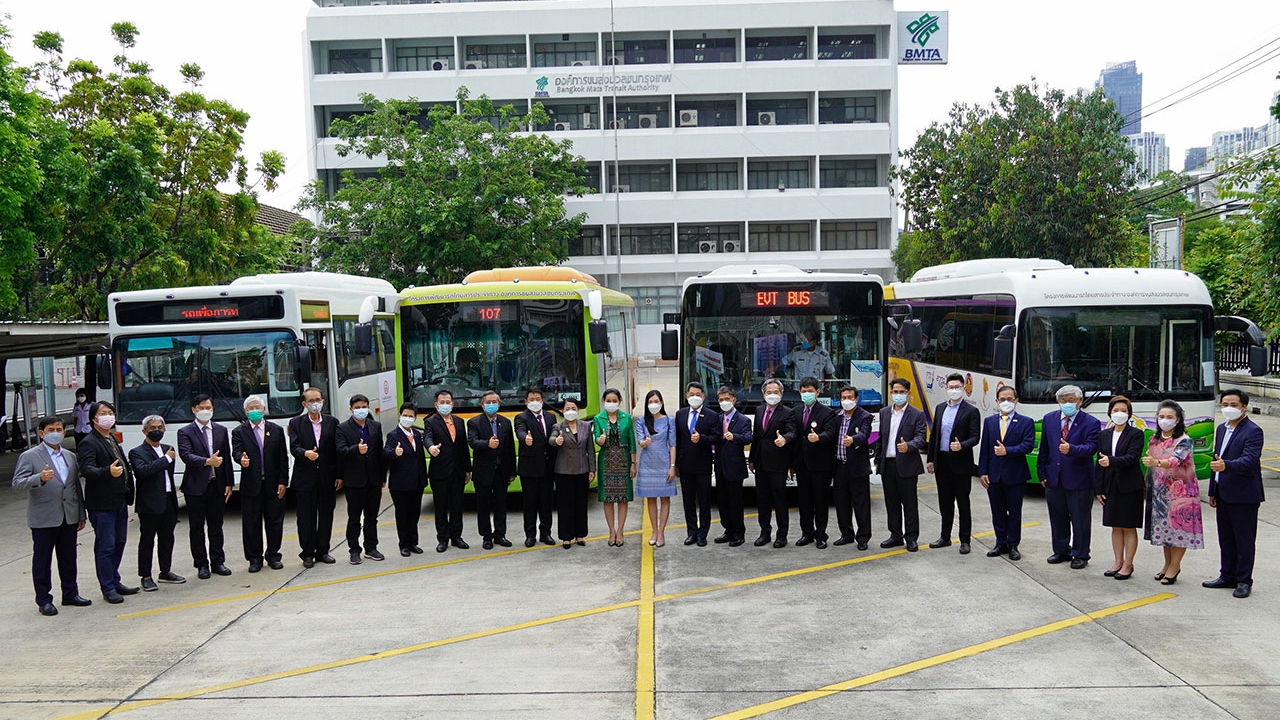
(57, 462)
(168, 484)
(895, 421)
(948, 424)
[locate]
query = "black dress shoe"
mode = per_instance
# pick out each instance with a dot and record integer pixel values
(762, 541)
(503, 541)
(416, 549)
(223, 570)
(530, 541)
(48, 609)
(1055, 558)
(149, 585)
(203, 573)
(1242, 591)
(171, 577)
(702, 542)
(126, 590)
(460, 544)
(940, 543)
(1013, 553)
(820, 544)
(804, 540)
(964, 548)
(912, 546)
(547, 540)
(1078, 563)
(374, 555)
(891, 542)
(442, 547)
(326, 558)
(735, 542)
(1219, 582)
(691, 540)
(112, 597)
(998, 551)
(76, 601)
(255, 566)
(780, 542)
(306, 563)
(275, 564)
(842, 540)
(862, 545)
(354, 560)
(723, 538)
(404, 552)
(487, 544)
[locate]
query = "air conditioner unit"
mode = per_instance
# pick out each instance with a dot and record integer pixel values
(767, 118)
(618, 124)
(622, 188)
(730, 246)
(617, 60)
(707, 246)
(586, 121)
(688, 118)
(439, 63)
(561, 127)
(377, 3)
(582, 63)
(648, 121)
(476, 65)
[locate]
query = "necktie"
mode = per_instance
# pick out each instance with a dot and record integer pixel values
(1004, 425)
(453, 433)
(806, 416)
(493, 425)
(208, 441)
(726, 423)
(257, 435)
(693, 422)
(542, 423)
(412, 445)
(1066, 425)
(767, 414)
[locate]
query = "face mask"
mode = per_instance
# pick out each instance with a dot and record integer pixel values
(695, 401)
(255, 416)
(955, 393)
(54, 438)
(848, 405)
(804, 345)
(1167, 424)
(1068, 409)
(808, 397)
(655, 408)
(535, 406)
(155, 435)
(315, 407)
(725, 406)
(570, 414)
(773, 399)
(899, 399)
(491, 408)
(106, 422)
(1007, 406)
(360, 413)
(444, 408)
(406, 421)
(611, 407)
(1119, 418)
(1232, 413)
(204, 416)
(79, 398)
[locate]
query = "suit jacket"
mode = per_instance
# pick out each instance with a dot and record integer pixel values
(577, 456)
(94, 456)
(859, 453)
(1241, 482)
(695, 458)
(1073, 471)
(193, 451)
(967, 429)
(408, 472)
(731, 457)
(536, 460)
(820, 457)
(488, 464)
(454, 459)
(914, 429)
(53, 503)
(311, 475)
(1124, 472)
(358, 470)
(1019, 441)
(149, 473)
(764, 455)
(269, 468)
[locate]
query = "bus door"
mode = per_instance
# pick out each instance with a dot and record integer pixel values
(318, 341)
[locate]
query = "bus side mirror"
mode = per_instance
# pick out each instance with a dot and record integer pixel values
(598, 335)
(911, 335)
(670, 344)
(1002, 360)
(304, 366)
(1258, 360)
(364, 339)
(102, 368)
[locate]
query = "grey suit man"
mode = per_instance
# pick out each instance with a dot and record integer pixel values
(55, 513)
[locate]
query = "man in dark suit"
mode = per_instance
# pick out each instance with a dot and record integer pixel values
(449, 472)
(814, 462)
(695, 436)
(207, 479)
(957, 425)
(903, 434)
(1235, 491)
(313, 441)
(770, 460)
(359, 441)
(852, 482)
(259, 447)
(406, 456)
(1068, 442)
(493, 468)
(732, 435)
(157, 502)
(536, 468)
(1007, 439)
(108, 492)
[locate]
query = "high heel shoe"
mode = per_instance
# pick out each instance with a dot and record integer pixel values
(652, 541)
(1160, 575)
(612, 543)
(581, 543)
(1170, 579)
(1112, 572)
(567, 544)
(1123, 576)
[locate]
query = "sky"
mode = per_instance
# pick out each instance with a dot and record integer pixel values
(252, 50)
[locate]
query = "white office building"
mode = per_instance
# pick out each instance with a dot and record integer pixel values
(743, 131)
(1151, 154)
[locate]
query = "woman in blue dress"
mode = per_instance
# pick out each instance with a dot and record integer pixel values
(655, 480)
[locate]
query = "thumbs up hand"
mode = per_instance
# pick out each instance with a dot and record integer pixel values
(170, 454)
(399, 450)
(528, 440)
(363, 447)
(1000, 449)
(434, 450)
(694, 436)
(493, 442)
(1103, 460)
(780, 441)
(559, 440)
(902, 445)
(600, 440)
(813, 434)
(646, 442)
(955, 445)
(1149, 461)
(244, 459)
(46, 474)
(311, 454)
(847, 440)
(116, 469)
(1218, 464)
(1064, 447)
(216, 460)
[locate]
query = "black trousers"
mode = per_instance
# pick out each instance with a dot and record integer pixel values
(1006, 511)
(729, 492)
(206, 509)
(46, 542)
(155, 531)
(1070, 520)
(363, 503)
(408, 512)
(1237, 540)
(696, 494)
(491, 506)
(571, 505)
(853, 502)
(900, 501)
(771, 498)
(447, 496)
(953, 494)
(815, 502)
(261, 513)
(315, 520)
(538, 495)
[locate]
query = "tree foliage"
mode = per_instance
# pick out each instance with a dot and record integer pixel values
(21, 125)
(1032, 174)
(459, 191)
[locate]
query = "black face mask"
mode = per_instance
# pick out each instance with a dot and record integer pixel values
(155, 435)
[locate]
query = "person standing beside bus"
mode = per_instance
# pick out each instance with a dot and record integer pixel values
(770, 460)
(536, 468)
(956, 430)
(852, 482)
(695, 437)
(1119, 484)
(814, 462)
(204, 447)
(493, 469)
(656, 476)
(733, 435)
(406, 456)
(1007, 439)
(903, 434)
(157, 502)
(359, 440)
(449, 472)
(80, 411)
(314, 445)
(1068, 442)
(1235, 490)
(575, 466)
(1173, 515)
(108, 493)
(259, 447)
(615, 436)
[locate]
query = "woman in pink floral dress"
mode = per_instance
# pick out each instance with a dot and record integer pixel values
(1173, 505)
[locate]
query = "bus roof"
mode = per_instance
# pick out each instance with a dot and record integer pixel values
(316, 282)
(1062, 285)
(771, 272)
(984, 266)
(515, 284)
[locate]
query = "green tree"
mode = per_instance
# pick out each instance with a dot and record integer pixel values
(1032, 174)
(21, 178)
(460, 191)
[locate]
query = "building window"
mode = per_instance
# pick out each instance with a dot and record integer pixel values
(564, 54)
(518, 109)
(640, 177)
(697, 239)
(329, 114)
(706, 112)
(781, 237)
(494, 55)
(637, 51)
(844, 45)
(848, 172)
(844, 110)
(335, 180)
(850, 235)
(355, 60)
(699, 176)
(777, 111)
(423, 58)
(773, 174)
(590, 242)
(653, 301)
(645, 239)
(570, 116)
(638, 113)
(706, 50)
(777, 45)
(591, 177)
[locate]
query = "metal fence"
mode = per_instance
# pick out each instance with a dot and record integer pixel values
(1233, 356)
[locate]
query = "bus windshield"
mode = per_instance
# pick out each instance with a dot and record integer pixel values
(740, 334)
(503, 345)
(160, 374)
(1145, 353)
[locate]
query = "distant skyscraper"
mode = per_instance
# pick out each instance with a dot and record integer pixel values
(1197, 157)
(1152, 154)
(1123, 84)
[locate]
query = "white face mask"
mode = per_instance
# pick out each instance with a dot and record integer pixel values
(204, 416)
(725, 406)
(695, 401)
(1167, 424)
(848, 404)
(1007, 406)
(1232, 413)
(406, 422)
(773, 398)
(315, 407)
(955, 393)
(655, 408)
(535, 406)
(611, 407)
(570, 414)
(1119, 418)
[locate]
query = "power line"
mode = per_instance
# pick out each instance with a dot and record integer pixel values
(1139, 111)
(1255, 64)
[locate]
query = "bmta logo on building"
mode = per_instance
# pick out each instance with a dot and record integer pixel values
(922, 38)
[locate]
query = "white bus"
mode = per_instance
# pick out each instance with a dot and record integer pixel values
(1147, 334)
(269, 335)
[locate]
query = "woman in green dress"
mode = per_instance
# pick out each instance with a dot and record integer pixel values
(615, 435)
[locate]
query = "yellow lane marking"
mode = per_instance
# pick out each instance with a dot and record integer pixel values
(645, 639)
(916, 666)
